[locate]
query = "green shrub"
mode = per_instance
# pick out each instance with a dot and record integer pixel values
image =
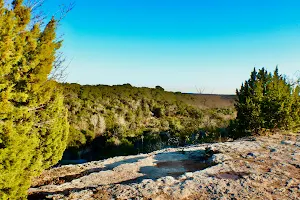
(89, 135)
(76, 138)
(266, 102)
(33, 119)
(119, 147)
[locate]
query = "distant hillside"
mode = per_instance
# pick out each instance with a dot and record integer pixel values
(121, 117)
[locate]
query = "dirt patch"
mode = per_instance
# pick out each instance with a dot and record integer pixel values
(230, 175)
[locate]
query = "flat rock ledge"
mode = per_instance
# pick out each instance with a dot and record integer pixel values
(250, 168)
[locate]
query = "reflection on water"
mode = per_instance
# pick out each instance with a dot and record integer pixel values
(177, 168)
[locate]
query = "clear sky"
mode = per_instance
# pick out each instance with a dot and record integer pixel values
(179, 44)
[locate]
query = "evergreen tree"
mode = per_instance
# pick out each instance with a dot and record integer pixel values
(266, 102)
(33, 120)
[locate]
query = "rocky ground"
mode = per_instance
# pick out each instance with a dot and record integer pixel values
(251, 168)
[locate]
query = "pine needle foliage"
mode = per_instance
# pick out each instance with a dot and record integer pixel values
(33, 120)
(267, 102)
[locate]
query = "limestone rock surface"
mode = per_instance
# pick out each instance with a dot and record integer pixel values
(264, 168)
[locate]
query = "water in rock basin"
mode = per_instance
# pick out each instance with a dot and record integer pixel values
(173, 164)
(177, 168)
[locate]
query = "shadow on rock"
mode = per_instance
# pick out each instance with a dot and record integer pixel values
(174, 164)
(127, 161)
(68, 178)
(47, 195)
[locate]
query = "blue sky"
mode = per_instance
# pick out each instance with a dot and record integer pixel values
(179, 44)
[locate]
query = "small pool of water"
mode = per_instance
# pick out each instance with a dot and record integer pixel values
(177, 168)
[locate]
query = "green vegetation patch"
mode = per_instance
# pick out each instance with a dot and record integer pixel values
(126, 120)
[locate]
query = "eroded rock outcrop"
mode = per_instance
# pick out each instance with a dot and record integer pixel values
(257, 168)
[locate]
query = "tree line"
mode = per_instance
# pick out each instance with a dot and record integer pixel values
(120, 116)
